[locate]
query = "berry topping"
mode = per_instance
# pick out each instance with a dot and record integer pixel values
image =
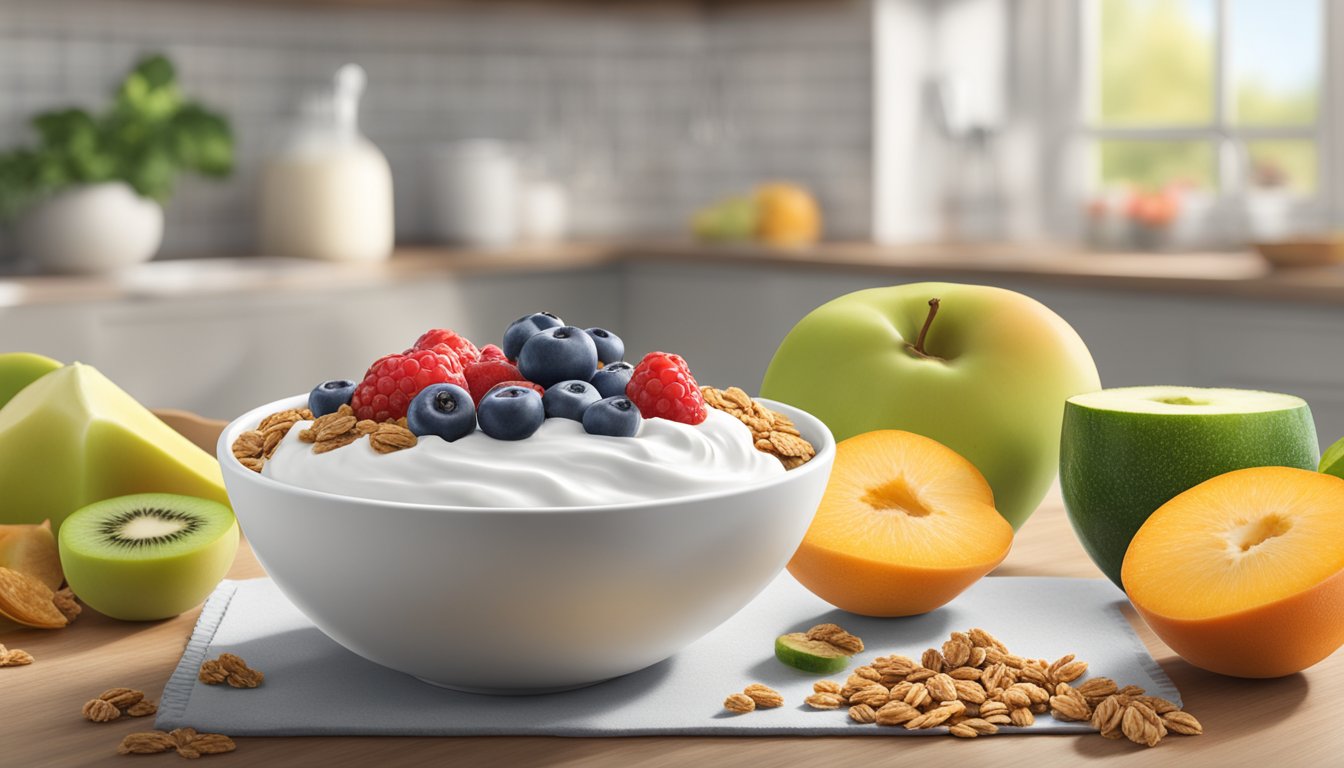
(483, 375)
(522, 329)
(610, 348)
(442, 337)
(445, 410)
(393, 380)
(490, 352)
(662, 387)
(611, 380)
(511, 413)
(329, 396)
(613, 417)
(558, 354)
(569, 399)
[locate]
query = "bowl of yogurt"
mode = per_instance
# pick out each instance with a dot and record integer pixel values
(527, 566)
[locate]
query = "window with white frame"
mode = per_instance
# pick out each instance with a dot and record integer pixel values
(1214, 98)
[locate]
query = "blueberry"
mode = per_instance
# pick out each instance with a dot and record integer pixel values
(558, 354)
(611, 380)
(511, 413)
(523, 328)
(614, 417)
(329, 396)
(444, 410)
(610, 348)
(569, 399)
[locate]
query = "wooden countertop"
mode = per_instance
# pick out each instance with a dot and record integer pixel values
(1289, 721)
(1242, 275)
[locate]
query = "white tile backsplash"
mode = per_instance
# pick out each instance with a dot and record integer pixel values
(646, 113)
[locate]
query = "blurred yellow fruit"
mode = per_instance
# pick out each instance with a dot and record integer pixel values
(788, 215)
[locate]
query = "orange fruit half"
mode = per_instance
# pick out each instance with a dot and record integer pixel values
(1243, 574)
(906, 524)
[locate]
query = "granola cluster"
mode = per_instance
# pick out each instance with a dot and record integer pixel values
(771, 432)
(973, 685)
(326, 433)
(753, 697)
(13, 657)
(114, 702)
(230, 669)
(186, 741)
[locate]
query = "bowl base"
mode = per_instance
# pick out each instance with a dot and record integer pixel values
(509, 691)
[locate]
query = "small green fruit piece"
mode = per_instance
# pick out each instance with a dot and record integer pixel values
(147, 556)
(1332, 461)
(799, 652)
(19, 369)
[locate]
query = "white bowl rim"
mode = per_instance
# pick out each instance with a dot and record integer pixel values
(229, 463)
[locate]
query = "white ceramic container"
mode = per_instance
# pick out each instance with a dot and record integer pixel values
(90, 229)
(474, 191)
(326, 191)
(524, 600)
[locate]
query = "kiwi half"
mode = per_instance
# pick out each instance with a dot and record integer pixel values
(149, 555)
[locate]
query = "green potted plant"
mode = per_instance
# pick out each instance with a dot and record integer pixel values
(88, 197)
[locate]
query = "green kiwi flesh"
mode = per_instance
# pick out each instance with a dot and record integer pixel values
(148, 555)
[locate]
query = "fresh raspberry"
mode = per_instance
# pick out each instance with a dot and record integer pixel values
(466, 351)
(490, 352)
(394, 380)
(484, 375)
(662, 387)
(519, 383)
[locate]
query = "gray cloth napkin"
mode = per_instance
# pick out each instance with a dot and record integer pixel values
(315, 687)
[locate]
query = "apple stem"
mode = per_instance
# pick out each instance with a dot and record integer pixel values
(928, 321)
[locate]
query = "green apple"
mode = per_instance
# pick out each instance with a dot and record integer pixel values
(984, 371)
(1125, 452)
(19, 369)
(73, 437)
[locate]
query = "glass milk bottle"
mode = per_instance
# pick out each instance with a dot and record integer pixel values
(326, 192)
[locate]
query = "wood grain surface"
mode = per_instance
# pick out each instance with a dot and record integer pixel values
(1285, 722)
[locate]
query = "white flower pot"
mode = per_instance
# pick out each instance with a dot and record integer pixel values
(90, 229)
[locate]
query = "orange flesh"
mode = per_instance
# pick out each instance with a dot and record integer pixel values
(1240, 541)
(905, 525)
(898, 497)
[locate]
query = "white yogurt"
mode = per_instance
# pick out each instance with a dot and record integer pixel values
(559, 466)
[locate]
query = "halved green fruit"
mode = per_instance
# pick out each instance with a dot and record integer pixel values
(1125, 452)
(799, 652)
(73, 437)
(147, 556)
(19, 369)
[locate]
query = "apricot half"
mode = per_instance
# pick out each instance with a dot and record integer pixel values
(1243, 574)
(906, 524)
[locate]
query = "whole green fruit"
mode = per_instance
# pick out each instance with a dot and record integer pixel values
(982, 370)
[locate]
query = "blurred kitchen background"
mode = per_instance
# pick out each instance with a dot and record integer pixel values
(692, 174)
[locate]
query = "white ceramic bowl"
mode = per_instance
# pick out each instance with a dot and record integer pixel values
(523, 600)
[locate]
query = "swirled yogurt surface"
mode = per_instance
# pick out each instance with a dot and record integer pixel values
(558, 466)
